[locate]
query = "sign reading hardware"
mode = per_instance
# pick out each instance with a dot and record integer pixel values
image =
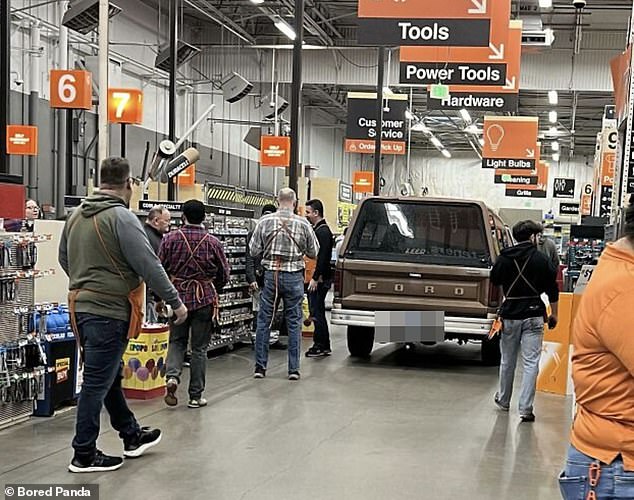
(21, 140)
(510, 142)
(564, 188)
(275, 151)
(569, 208)
(475, 101)
(528, 180)
(435, 32)
(361, 130)
(453, 73)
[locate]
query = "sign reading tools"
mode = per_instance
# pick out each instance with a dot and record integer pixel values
(361, 130)
(425, 22)
(510, 142)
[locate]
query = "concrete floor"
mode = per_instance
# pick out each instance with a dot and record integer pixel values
(403, 425)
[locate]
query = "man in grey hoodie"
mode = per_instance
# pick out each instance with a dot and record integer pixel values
(107, 256)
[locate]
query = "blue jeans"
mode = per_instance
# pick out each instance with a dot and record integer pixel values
(317, 304)
(525, 335)
(614, 483)
(104, 341)
(291, 291)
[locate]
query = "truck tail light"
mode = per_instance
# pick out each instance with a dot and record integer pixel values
(338, 283)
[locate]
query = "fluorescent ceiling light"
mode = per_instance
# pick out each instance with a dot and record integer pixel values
(481, 141)
(434, 140)
(543, 4)
(257, 2)
(552, 131)
(555, 146)
(555, 156)
(465, 115)
(420, 127)
(552, 116)
(446, 153)
(387, 90)
(553, 98)
(409, 115)
(285, 28)
(473, 129)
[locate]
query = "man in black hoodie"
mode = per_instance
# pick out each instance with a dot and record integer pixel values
(524, 274)
(321, 280)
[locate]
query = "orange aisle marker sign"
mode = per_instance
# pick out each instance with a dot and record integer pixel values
(275, 151)
(21, 140)
(125, 106)
(363, 181)
(510, 142)
(71, 89)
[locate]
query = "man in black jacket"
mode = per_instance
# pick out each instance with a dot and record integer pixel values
(524, 273)
(321, 280)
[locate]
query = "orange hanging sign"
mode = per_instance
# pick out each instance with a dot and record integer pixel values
(21, 140)
(512, 140)
(363, 182)
(187, 177)
(70, 89)
(125, 106)
(275, 151)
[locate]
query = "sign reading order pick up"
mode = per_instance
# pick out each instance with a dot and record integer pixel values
(510, 142)
(427, 22)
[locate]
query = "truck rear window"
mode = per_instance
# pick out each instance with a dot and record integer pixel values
(425, 233)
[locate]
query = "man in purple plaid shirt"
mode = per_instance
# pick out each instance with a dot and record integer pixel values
(196, 263)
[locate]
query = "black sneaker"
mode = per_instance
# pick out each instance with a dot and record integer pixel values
(317, 352)
(101, 463)
(529, 417)
(259, 372)
(145, 440)
(499, 404)
(293, 376)
(187, 362)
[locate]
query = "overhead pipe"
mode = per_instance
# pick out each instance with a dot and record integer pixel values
(62, 120)
(5, 80)
(104, 51)
(296, 99)
(173, 26)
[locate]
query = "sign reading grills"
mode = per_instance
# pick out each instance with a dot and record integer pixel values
(453, 73)
(475, 101)
(569, 208)
(564, 188)
(361, 130)
(525, 193)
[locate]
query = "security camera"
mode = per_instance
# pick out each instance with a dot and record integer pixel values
(579, 4)
(19, 82)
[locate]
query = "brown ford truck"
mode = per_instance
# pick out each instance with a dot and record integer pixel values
(417, 270)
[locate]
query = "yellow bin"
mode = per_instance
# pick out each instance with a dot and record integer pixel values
(144, 363)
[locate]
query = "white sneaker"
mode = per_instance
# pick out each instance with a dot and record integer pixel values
(197, 403)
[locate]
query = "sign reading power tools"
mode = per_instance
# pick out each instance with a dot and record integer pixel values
(362, 129)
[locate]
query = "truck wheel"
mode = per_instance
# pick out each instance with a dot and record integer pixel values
(490, 351)
(360, 341)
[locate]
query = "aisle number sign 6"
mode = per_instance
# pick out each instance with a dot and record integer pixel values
(125, 106)
(71, 89)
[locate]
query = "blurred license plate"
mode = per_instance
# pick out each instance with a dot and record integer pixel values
(409, 326)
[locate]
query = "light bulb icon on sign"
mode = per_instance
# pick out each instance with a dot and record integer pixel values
(495, 134)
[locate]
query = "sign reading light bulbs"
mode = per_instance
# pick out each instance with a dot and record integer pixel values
(510, 142)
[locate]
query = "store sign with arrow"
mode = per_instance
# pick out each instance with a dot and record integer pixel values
(514, 178)
(510, 142)
(532, 191)
(564, 188)
(427, 22)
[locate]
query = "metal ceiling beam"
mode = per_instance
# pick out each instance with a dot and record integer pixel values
(206, 9)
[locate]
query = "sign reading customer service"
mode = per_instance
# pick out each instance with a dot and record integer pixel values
(362, 128)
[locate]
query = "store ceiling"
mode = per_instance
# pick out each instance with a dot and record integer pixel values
(333, 23)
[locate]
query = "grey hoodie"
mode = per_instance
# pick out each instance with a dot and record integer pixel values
(90, 267)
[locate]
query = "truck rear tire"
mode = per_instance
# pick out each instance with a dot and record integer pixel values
(360, 341)
(490, 351)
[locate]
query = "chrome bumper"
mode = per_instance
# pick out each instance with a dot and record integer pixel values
(453, 325)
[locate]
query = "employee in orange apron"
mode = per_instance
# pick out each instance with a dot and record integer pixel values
(107, 257)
